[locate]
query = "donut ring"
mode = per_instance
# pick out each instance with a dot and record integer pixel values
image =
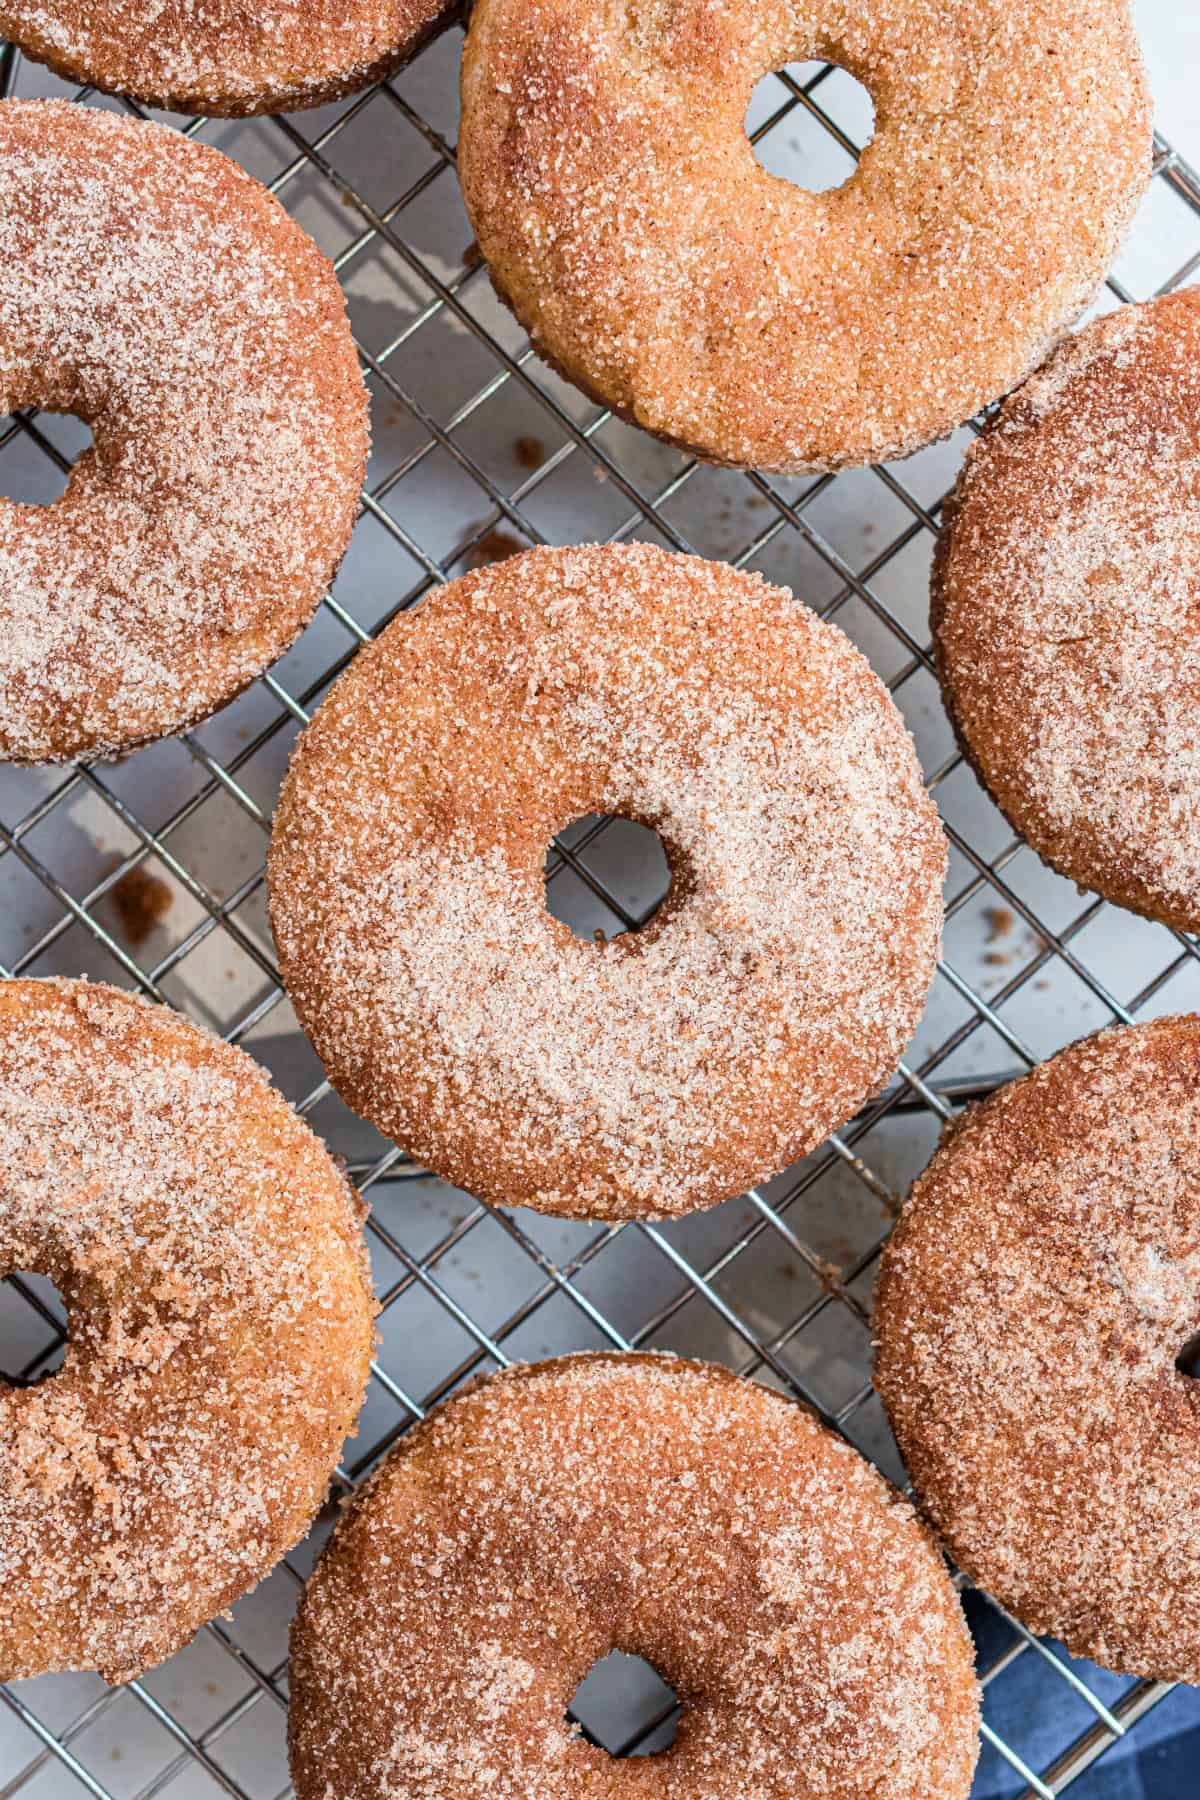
(664, 1508)
(152, 287)
(614, 193)
(772, 992)
(212, 1263)
(1064, 609)
(1031, 1304)
(230, 59)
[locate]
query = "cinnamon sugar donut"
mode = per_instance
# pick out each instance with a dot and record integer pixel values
(616, 197)
(225, 57)
(152, 287)
(212, 1264)
(1042, 1281)
(772, 992)
(663, 1508)
(1065, 609)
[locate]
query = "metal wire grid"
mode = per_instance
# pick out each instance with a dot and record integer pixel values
(809, 1239)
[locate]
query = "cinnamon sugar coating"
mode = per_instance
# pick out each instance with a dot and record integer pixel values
(215, 1276)
(616, 197)
(1066, 609)
(152, 287)
(1032, 1301)
(224, 57)
(770, 995)
(664, 1508)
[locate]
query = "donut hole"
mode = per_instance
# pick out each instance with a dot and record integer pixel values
(33, 1329)
(37, 464)
(624, 1706)
(1188, 1360)
(606, 875)
(792, 142)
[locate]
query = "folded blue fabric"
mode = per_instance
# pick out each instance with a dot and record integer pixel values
(1039, 1717)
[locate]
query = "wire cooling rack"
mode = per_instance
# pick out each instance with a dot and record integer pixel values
(149, 873)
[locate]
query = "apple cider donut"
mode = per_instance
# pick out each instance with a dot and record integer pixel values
(666, 1070)
(1065, 609)
(224, 57)
(212, 1263)
(558, 1511)
(150, 286)
(1032, 1303)
(656, 264)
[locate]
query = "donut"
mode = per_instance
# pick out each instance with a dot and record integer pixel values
(150, 286)
(664, 1508)
(1065, 621)
(615, 195)
(666, 1070)
(1032, 1303)
(225, 57)
(211, 1260)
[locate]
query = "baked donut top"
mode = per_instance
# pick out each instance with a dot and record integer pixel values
(211, 1260)
(616, 197)
(152, 287)
(1033, 1299)
(221, 56)
(1067, 608)
(660, 1507)
(769, 996)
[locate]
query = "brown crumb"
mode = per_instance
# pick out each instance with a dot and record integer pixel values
(530, 452)
(1000, 921)
(827, 1273)
(493, 547)
(472, 256)
(996, 959)
(142, 900)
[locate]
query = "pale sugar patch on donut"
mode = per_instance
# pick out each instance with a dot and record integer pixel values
(152, 287)
(212, 1263)
(1032, 1302)
(771, 994)
(798, 1608)
(1067, 609)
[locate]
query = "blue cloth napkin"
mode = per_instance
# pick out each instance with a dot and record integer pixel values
(1038, 1716)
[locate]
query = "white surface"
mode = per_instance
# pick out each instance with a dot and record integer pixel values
(1170, 35)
